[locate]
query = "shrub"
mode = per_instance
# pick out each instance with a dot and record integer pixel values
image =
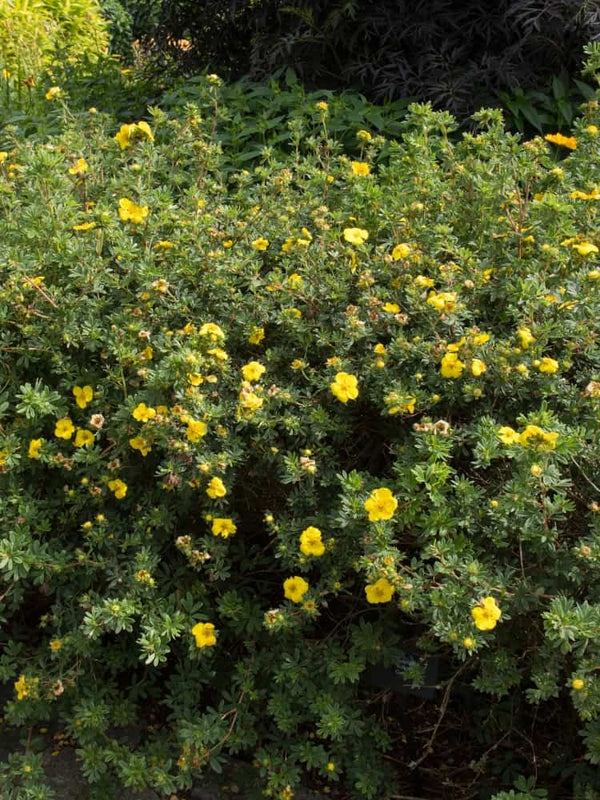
(455, 54)
(263, 430)
(34, 34)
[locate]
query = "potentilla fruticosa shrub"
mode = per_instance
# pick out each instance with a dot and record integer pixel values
(261, 433)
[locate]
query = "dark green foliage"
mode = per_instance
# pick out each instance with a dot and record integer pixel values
(455, 54)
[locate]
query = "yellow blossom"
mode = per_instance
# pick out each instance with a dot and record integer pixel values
(486, 615)
(380, 592)
(24, 686)
(34, 448)
(564, 141)
(195, 378)
(141, 444)
(253, 371)
(143, 413)
(423, 281)
(295, 281)
(84, 226)
(360, 168)
(577, 684)
(381, 504)
(401, 250)
(84, 438)
(525, 337)
(204, 634)
(508, 435)
(212, 331)
(295, 588)
(223, 527)
(548, 365)
(451, 366)
(585, 248)
(80, 167)
(256, 335)
(363, 135)
(345, 387)
(118, 488)
(83, 395)
(53, 92)
(132, 212)
(391, 308)
(356, 236)
(216, 488)
(477, 367)
(468, 642)
(442, 301)
(311, 543)
(64, 428)
(533, 436)
(260, 244)
(195, 430)
(55, 645)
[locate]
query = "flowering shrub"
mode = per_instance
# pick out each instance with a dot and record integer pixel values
(262, 431)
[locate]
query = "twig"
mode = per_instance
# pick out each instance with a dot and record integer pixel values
(444, 706)
(41, 291)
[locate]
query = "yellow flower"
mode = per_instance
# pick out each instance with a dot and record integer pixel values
(80, 167)
(468, 642)
(163, 244)
(141, 444)
(55, 645)
(218, 353)
(379, 592)
(212, 331)
(123, 137)
(525, 337)
(536, 437)
(400, 404)
(577, 684)
(535, 470)
(295, 588)
(345, 387)
(216, 488)
(143, 413)
(249, 399)
(83, 395)
(402, 250)
(260, 243)
(585, 248)
(53, 92)
(548, 365)
(381, 504)
(486, 615)
(195, 430)
(253, 371)
(360, 168)
(356, 236)
(24, 686)
(363, 135)
(85, 226)
(128, 134)
(256, 335)
(204, 634)
(223, 527)
(64, 428)
(311, 543)
(563, 141)
(195, 378)
(391, 308)
(295, 281)
(442, 301)
(131, 212)
(322, 106)
(423, 281)
(477, 367)
(84, 438)
(34, 448)
(508, 435)
(451, 366)
(118, 488)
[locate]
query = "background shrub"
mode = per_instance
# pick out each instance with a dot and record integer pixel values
(455, 54)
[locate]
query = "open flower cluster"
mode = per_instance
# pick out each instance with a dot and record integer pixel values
(263, 430)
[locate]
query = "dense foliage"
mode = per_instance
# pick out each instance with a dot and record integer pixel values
(264, 429)
(35, 34)
(455, 54)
